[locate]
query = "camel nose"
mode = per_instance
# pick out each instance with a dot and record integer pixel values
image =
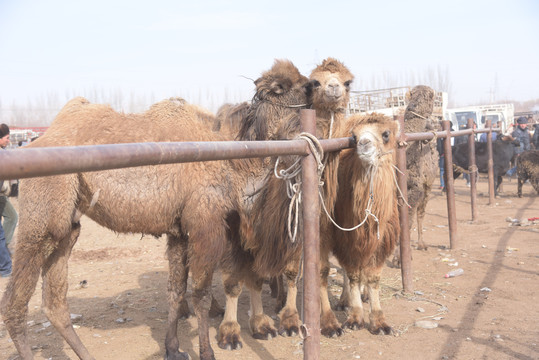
(333, 89)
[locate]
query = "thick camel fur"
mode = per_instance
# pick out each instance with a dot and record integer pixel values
(367, 195)
(528, 169)
(229, 118)
(421, 159)
(268, 238)
(200, 218)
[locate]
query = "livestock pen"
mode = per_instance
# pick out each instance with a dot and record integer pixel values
(41, 162)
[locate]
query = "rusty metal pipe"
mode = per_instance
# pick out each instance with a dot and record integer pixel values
(473, 170)
(490, 165)
(311, 246)
(405, 250)
(450, 186)
(31, 162)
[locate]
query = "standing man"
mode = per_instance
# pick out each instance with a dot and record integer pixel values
(8, 213)
(522, 134)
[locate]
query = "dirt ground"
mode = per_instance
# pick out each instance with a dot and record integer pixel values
(487, 313)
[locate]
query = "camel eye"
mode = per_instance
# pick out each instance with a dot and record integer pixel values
(385, 136)
(316, 83)
(347, 83)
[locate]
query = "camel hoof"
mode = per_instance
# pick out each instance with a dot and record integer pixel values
(262, 327)
(229, 336)
(353, 325)
(381, 330)
(265, 334)
(231, 343)
(177, 356)
(331, 332)
(289, 324)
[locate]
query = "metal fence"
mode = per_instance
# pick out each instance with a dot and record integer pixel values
(33, 162)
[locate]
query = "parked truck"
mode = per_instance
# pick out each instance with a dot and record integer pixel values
(391, 102)
(504, 114)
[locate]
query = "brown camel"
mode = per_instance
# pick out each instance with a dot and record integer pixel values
(421, 159)
(267, 235)
(200, 218)
(229, 118)
(367, 196)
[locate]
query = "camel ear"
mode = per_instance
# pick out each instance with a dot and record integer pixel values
(308, 87)
(397, 129)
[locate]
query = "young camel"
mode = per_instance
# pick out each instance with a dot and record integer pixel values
(366, 195)
(421, 160)
(266, 237)
(199, 217)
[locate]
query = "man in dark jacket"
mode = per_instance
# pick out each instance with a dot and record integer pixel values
(522, 134)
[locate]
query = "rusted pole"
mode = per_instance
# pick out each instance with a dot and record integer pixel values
(450, 186)
(311, 247)
(472, 168)
(490, 164)
(30, 162)
(405, 250)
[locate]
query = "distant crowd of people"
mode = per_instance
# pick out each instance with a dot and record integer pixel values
(520, 131)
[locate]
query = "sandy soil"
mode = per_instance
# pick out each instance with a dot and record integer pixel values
(487, 313)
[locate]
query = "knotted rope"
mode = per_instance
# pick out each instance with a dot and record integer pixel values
(292, 177)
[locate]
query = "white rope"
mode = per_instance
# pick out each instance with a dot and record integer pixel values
(398, 188)
(368, 213)
(292, 177)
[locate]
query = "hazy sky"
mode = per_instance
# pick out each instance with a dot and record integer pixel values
(207, 48)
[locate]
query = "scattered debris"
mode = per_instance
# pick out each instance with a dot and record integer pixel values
(420, 309)
(485, 289)
(453, 273)
(426, 324)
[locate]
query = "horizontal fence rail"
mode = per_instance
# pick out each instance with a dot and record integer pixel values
(32, 162)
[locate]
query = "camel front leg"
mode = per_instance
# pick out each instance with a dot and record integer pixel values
(229, 337)
(378, 324)
(329, 325)
(262, 326)
(289, 318)
(177, 287)
(355, 320)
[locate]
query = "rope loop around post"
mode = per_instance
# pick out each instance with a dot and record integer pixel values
(292, 177)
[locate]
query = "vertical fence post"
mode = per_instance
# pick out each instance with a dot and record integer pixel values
(490, 164)
(405, 250)
(472, 168)
(311, 246)
(450, 186)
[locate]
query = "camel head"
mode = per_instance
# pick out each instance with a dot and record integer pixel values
(280, 93)
(331, 86)
(376, 139)
(420, 103)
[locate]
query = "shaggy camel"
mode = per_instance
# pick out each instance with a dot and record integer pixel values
(421, 159)
(280, 93)
(229, 118)
(267, 238)
(200, 218)
(366, 195)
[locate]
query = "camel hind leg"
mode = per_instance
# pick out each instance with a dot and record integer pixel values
(377, 321)
(177, 287)
(55, 287)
